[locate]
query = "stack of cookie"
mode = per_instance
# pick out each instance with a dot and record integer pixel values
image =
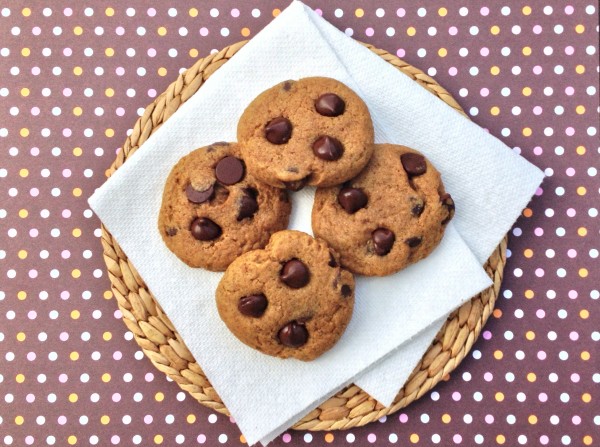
(377, 209)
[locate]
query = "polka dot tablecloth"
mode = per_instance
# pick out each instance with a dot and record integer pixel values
(74, 77)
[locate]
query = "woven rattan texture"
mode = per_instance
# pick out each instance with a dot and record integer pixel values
(161, 343)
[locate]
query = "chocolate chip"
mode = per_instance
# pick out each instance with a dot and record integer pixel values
(383, 240)
(195, 196)
(278, 130)
(297, 185)
(295, 274)
(328, 148)
(346, 290)
(352, 199)
(253, 305)
(330, 104)
(417, 206)
(448, 202)
(413, 242)
(287, 85)
(171, 231)
(204, 229)
(413, 164)
(248, 204)
(293, 334)
(230, 170)
(332, 262)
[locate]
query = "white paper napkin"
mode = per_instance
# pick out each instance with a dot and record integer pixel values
(264, 394)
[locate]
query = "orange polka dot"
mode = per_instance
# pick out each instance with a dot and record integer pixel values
(329, 438)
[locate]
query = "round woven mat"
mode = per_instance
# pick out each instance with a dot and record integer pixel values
(162, 344)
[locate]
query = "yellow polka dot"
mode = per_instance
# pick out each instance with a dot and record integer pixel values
(77, 111)
(583, 272)
(78, 31)
(162, 71)
(411, 31)
(73, 398)
(359, 12)
(77, 192)
(107, 336)
(191, 418)
(77, 71)
(77, 151)
(527, 131)
(586, 397)
(19, 420)
(158, 439)
(495, 111)
(495, 30)
(582, 231)
(529, 294)
(532, 419)
(159, 397)
(24, 172)
(526, 10)
(23, 214)
(498, 354)
(20, 378)
(22, 253)
(276, 12)
(580, 149)
(104, 419)
(72, 440)
(108, 294)
(109, 52)
(446, 418)
(74, 356)
(193, 12)
(76, 273)
(579, 29)
(581, 191)
(580, 69)
(109, 12)
(245, 32)
(500, 439)
(106, 377)
(580, 110)
(21, 336)
(442, 52)
(585, 355)
(497, 313)
(531, 377)
(25, 52)
(587, 440)
(76, 232)
(193, 52)
(25, 91)
(527, 51)
(530, 335)
(109, 92)
(414, 438)
(329, 438)
(109, 133)
(442, 12)
(495, 70)
(26, 12)
(24, 132)
(526, 91)
(162, 31)
(22, 295)
(75, 314)
(584, 314)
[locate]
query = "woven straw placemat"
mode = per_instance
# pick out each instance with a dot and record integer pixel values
(161, 343)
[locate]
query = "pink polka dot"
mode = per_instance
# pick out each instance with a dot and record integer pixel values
(484, 92)
(540, 313)
(66, 173)
(149, 377)
(119, 30)
(235, 12)
(31, 356)
(64, 336)
(570, 131)
(571, 212)
(33, 232)
(319, 12)
(569, 50)
(286, 438)
(32, 273)
(571, 253)
(152, 93)
(151, 52)
(117, 355)
(400, 52)
(538, 231)
(148, 419)
(452, 71)
(543, 397)
(453, 31)
(569, 10)
(151, 12)
(488, 376)
(115, 439)
(457, 438)
(485, 51)
(65, 254)
(68, 12)
(32, 314)
(67, 132)
(541, 355)
(369, 32)
(63, 378)
(204, 31)
(371, 438)
(65, 295)
(537, 110)
(35, 111)
(67, 51)
(34, 192)
(118, 314)
(573, 294)
(539, 192)
(116, 397)
(539, 272)
(487, 335)
(576, 420)
(489, 418)
(537, 70)
(120, 111)
(35, 151)
(575, 377)
(120, 71)
(35, 71)
(403, 418)
(30, 398)
(574, 336)
(570, 91)
(484, 11)
(456, 396)
(570, 172)
(67, 92)
(66, 213)
(201, 439)
(538, 150)
(537, 29)
(544, 440)
(400, 12)
(36, 31)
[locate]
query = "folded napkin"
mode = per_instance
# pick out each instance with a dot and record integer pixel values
(264, 394)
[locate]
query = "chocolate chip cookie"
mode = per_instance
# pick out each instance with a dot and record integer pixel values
(315, 131)
(291, 299)
(391, 215)
(213, 210)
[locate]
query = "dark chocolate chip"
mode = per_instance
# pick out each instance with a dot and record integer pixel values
(413, 242)
(230, 170)
(248, 204)
(352, 199)
(330, 104)
(278, 130)
(297, 185)
(447, 201)
(328, 148)
(346, 290)
(295, 274)
(383, 240)
(195, 196)
(413, 164)
(287, 85)
(204, 229)
(332, 262)
(293, 334)
(171, 231)
(253, 305)
(417, 206)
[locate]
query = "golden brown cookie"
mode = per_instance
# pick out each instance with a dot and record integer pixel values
(391, 215)
(315, 131)
(291, 299)
(213, 210)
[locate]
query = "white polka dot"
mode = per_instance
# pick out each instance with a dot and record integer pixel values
(89, 12)
(463, 52)
(15, 30)
(548, 51)
(214, 12)
(464, 11)
(140, 31)
(473, 30)
(559, 69)
(172, 53)
(380, 12)
(432, 30)
(46, 52)
(130, 12)
(5, 12)
(505, 10)
(172, 12)
(548, 10)
(57, 30)
(47, 12)
(224, 32)
(558, 29)
(256, 13)
(591, 131)
(473, 71)
(421, 12)
(14, 71)
(183, 31)
(516, 30)
(390, 31)
(516, 70)
(590, 9)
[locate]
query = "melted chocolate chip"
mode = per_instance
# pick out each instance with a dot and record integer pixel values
(248, 204)
(448, 202)
(195, 196)
(332, 262)
(413, 164)
(171, 231)
(293, 334)
(204, 229)
(413, 242)
(330, 104)
(253, 305)
(352, 199)
(295, 274)
(297, 185)
(346, 291)
(383, 241)
(328, 148)
(230, 170)
(278, 130)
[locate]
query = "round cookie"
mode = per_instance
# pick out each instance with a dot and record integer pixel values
(291, 299)
(391, 215)
(315, 131)
(213, 210)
